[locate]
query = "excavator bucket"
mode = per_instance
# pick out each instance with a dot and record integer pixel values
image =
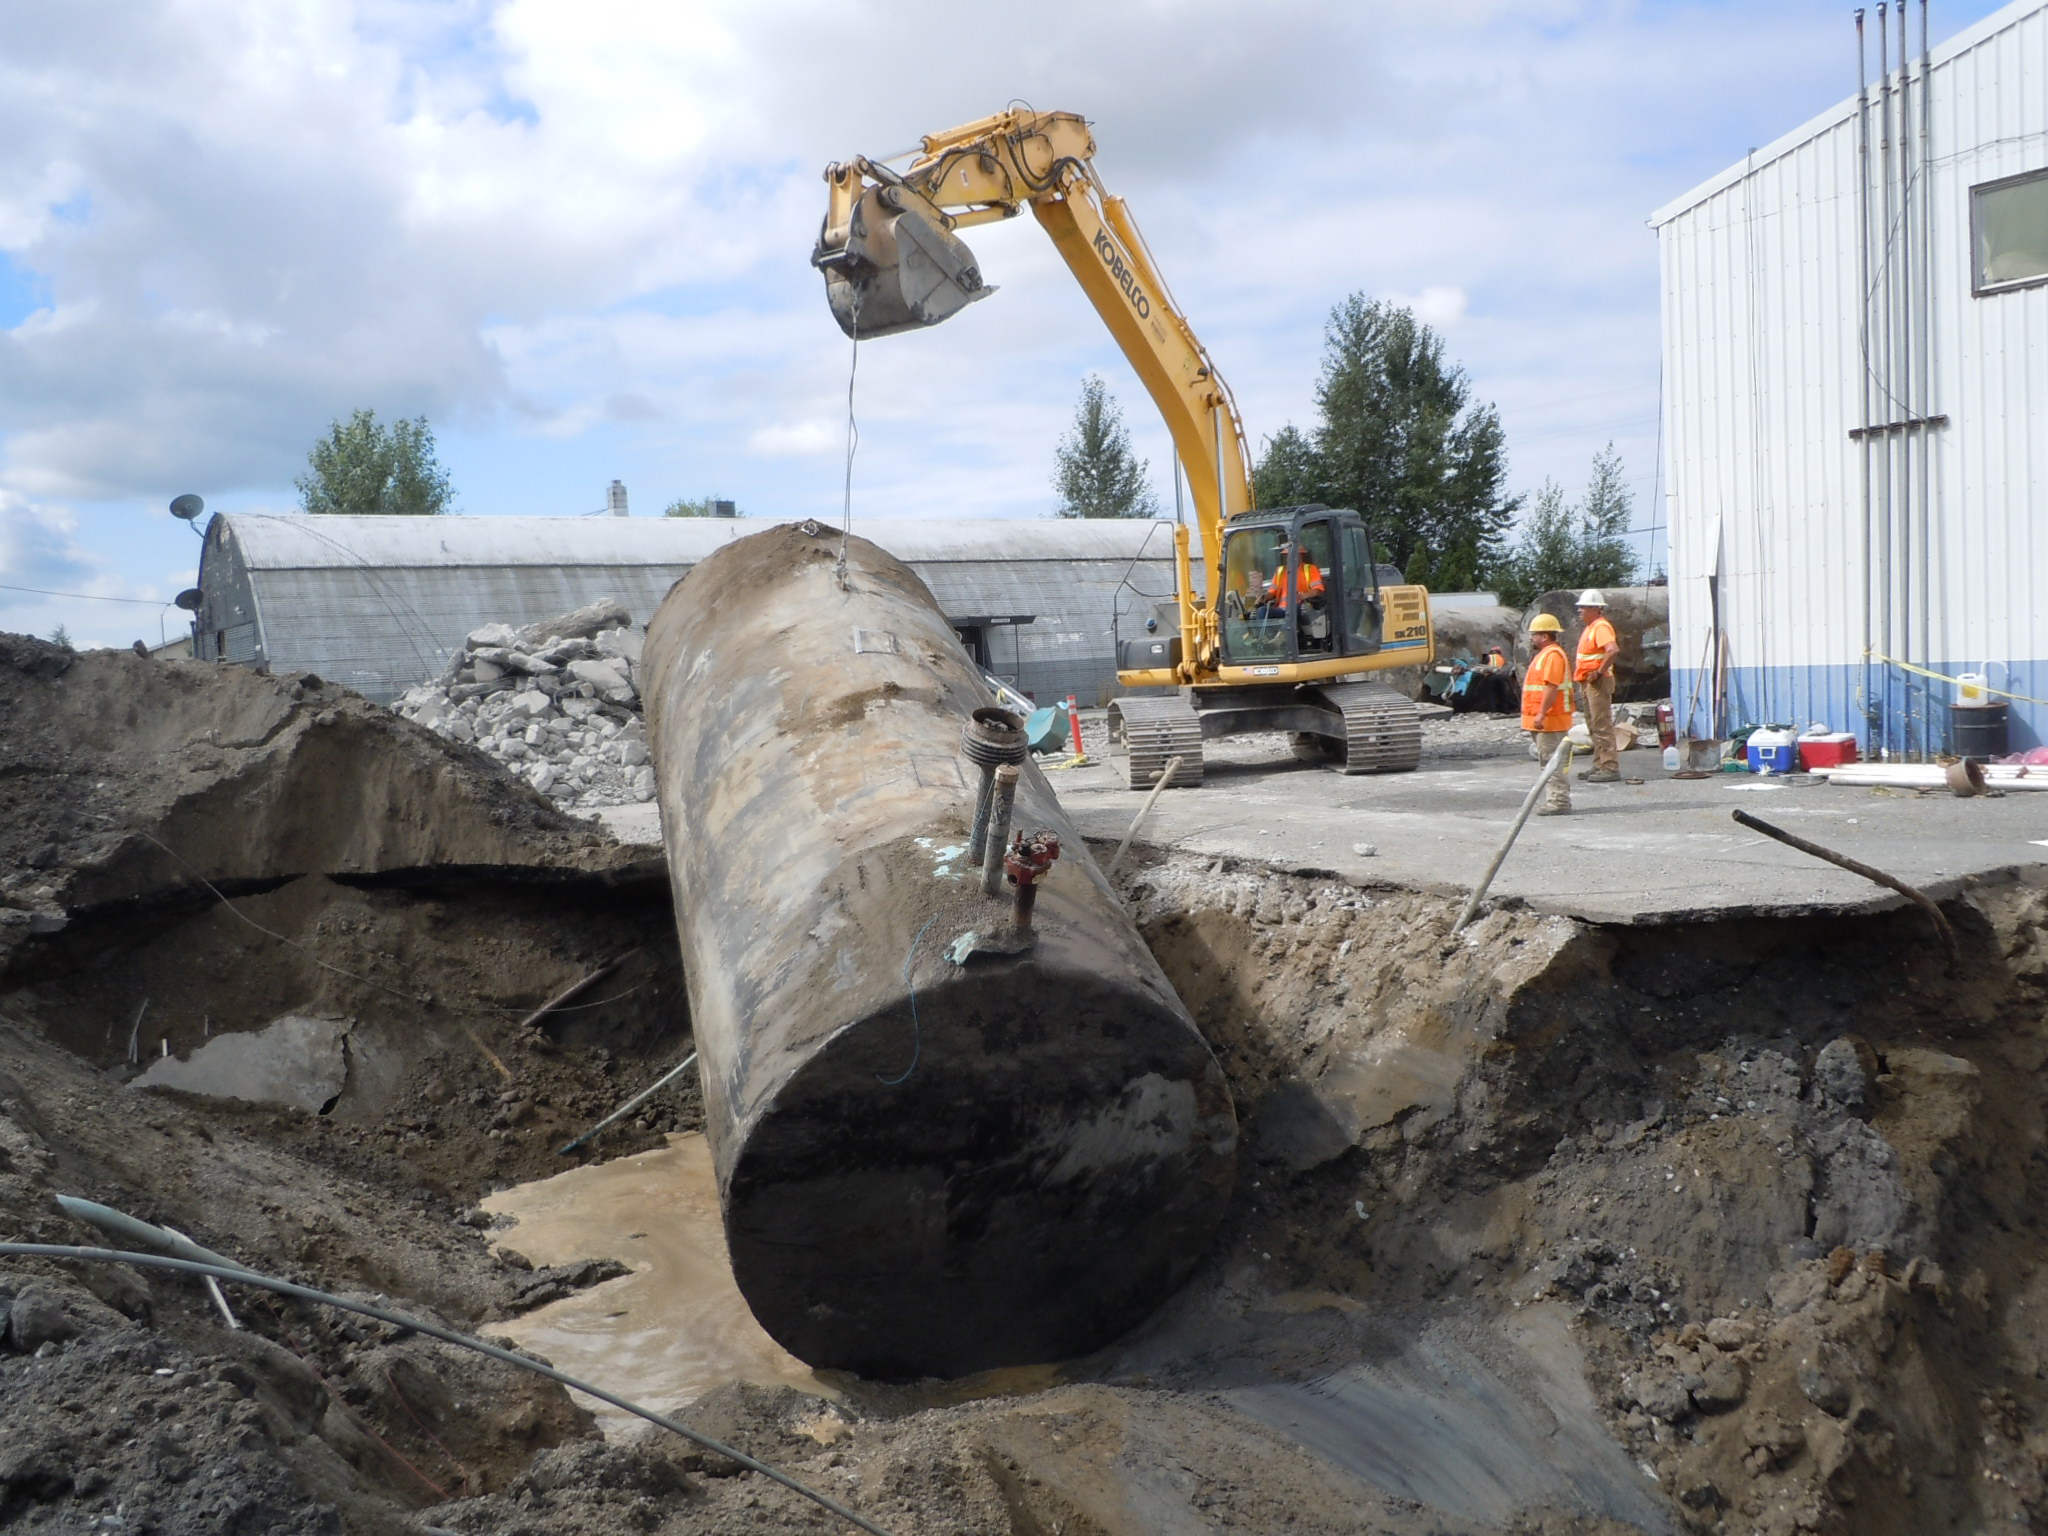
(898, 270)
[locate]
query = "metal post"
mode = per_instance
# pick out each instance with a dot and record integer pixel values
(1871, 712)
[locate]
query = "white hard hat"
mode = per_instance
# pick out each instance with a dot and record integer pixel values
(1592, 597)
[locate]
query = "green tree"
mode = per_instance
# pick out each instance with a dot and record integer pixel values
(1604, 520)
(1288, 473)
(1402, 443)
(61, 636)
(1564, 546)
(701, 507)
(1094, 471)
(363, 466)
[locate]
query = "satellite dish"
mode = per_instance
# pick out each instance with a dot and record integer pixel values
(188, 506)
(191, 599)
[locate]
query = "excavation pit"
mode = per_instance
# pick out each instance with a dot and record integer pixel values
(1749, 1204)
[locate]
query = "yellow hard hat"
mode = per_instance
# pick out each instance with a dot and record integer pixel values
(1545, 624)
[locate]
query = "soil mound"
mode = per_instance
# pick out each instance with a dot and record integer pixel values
(123, 777)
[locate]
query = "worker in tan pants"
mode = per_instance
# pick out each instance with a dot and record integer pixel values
(1594, 673)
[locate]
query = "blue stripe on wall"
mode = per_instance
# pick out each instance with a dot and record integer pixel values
(1908, 715)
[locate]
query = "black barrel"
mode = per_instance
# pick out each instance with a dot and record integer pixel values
(1977, 731)
(932, 1158)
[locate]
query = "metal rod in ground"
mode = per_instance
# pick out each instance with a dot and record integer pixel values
(236, 1275)
(630, 1105)
(227, 1313)
(1557, 761)
(1124, 847)
(1858, 867)
(575, 988)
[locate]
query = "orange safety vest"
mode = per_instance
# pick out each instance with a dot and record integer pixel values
(1311, 581)
(1546, 670)
(1593, 642)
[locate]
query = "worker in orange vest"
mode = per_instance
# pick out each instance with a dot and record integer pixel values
(1280, 592)
(1546, 706)
(1593, 671)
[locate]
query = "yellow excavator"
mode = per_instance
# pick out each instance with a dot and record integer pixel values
(1293, 610)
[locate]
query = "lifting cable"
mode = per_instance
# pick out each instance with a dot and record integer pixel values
(852, 436)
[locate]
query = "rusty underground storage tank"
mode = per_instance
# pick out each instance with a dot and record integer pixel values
(942, 1144)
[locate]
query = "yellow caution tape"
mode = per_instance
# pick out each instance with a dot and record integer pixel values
(1943, 677)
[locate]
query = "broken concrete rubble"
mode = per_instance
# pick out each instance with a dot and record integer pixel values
(556, 703)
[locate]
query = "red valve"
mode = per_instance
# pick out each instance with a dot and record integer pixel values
(1028, 859)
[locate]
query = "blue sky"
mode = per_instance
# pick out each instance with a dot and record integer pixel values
(575, 235)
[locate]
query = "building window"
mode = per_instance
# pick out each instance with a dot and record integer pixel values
(2009, 232)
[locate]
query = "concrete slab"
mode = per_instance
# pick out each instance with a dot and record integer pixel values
(299, 1061)
(1660, 851)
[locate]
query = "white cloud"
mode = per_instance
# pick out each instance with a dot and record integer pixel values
(1438, 305)
(797, 439)
(574, 232)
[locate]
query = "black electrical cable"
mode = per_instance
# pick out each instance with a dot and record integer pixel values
(240, 1276)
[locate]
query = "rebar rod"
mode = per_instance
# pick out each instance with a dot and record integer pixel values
(630, 1105)
(1858, 867)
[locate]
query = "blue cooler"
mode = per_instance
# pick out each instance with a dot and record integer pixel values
(1773, 751)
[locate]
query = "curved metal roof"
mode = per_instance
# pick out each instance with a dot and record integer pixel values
(297, 541)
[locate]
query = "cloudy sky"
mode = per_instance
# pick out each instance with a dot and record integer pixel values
(575, 235)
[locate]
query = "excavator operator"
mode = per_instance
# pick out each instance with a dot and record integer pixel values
(1277, 591)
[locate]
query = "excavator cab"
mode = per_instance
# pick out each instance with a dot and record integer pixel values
(893, 266)
(1299, 584)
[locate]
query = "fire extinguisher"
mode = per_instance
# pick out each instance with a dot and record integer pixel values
(1667, 724)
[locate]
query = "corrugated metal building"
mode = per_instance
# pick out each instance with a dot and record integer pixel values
(380, 603)
(1856, 398)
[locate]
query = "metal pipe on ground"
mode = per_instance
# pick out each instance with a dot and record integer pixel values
(1912, 893)
(925, 1167)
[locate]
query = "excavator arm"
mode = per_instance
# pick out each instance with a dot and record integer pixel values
(892, 262)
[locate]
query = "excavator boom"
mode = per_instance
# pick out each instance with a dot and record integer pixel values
(1264, 642)
(893, 263)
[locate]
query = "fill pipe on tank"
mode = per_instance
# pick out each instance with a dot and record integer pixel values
(945, 1140)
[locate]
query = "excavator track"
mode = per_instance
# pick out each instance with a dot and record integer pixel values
(1149, 733)
(1382, 729)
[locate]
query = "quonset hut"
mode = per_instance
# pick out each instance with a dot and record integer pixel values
(381, 603)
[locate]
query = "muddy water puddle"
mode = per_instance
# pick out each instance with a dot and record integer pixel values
(677, 1326)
